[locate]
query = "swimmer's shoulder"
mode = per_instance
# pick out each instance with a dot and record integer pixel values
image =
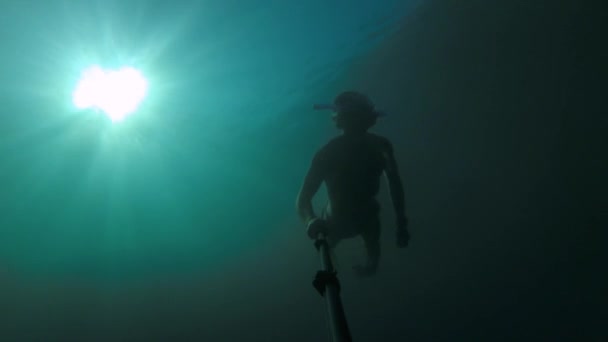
(337, 144)
(380, 142)
(332, 146)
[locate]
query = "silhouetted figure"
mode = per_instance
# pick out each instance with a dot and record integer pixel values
(351, 165)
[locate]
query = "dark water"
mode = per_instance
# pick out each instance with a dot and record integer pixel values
(178, 225)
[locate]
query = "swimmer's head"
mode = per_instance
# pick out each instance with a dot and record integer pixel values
(353, 111)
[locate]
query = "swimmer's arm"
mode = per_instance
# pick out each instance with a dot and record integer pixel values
(312, 183)
(395, 184)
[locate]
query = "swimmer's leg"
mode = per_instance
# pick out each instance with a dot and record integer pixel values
(371, 238)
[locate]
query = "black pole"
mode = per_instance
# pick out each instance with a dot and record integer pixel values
(326, 282)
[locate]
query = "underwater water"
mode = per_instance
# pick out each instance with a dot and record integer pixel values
(178, 223)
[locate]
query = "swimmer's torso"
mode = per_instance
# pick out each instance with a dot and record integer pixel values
(352, 167)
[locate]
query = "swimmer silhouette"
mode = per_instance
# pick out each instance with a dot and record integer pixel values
(352, 165)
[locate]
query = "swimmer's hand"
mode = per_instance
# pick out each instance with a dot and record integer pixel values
(403, 235)
(315, 227)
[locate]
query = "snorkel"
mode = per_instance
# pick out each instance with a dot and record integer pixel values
(352, 111)
(319, 107)
(334, 108)
(351, 103)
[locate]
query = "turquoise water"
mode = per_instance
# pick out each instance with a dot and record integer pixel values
(178, 224)
(211, 161)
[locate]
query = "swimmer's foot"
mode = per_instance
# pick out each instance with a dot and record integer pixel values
(365, 271)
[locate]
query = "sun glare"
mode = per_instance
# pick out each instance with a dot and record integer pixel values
(117, 93)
